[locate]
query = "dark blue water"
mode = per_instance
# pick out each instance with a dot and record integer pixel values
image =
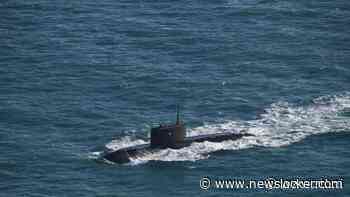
(75, 75)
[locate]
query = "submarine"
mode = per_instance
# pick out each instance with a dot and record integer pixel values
(167, 136)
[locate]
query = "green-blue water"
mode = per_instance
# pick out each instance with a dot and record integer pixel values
(76, 76)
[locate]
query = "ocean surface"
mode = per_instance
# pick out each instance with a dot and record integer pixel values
(77, 77)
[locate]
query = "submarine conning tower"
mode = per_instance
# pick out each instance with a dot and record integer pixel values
(169, 136)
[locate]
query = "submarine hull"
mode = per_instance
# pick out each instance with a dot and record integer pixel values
(125, 154)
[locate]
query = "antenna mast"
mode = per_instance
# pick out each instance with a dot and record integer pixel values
(177, 115)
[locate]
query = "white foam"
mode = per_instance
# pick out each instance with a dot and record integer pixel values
(124, 142)
(94, 155)
(281, 125)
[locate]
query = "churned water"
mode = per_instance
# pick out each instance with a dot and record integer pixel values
(77, 77)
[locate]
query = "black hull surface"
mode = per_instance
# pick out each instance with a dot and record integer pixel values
(123, 155)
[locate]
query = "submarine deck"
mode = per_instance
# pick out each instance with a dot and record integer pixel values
(217, 137)
(123, 155)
